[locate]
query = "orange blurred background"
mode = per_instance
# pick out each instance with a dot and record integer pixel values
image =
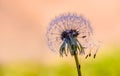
(23, 25)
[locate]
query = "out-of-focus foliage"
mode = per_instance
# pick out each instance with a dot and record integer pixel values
(107, 65)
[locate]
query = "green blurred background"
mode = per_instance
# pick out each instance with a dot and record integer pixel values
(105, 64)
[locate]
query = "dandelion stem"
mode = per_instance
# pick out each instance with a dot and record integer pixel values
(77, 64)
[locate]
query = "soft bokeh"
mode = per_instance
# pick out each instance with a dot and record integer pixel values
(23, 46)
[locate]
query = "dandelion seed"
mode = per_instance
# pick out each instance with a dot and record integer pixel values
(70, 27)
(71, 33)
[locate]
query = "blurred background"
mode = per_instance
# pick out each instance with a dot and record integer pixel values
(23, 45)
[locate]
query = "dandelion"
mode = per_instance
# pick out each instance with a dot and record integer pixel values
(71, 33)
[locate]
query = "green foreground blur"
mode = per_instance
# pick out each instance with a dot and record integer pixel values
(107, 65)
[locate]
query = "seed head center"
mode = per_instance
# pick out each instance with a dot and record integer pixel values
(67, 33)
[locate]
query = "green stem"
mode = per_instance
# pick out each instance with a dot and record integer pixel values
(77, 64)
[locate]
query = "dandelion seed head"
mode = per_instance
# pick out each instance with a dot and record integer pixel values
(69, 24)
